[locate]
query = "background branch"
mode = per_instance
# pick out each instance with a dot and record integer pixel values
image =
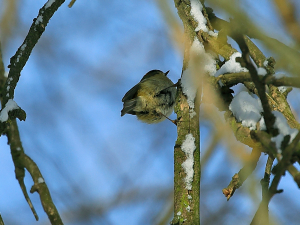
(21, 162)
(18, 61)
(239, 178)
(1, 220)
(20, 159)
(286, 10)
(281, 167)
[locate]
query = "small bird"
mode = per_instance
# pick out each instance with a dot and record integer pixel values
(152, 99)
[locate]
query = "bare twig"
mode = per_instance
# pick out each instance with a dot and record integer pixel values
(20, 159)
(1, 220)
(279, 171)
(71, 3)
(266, 180)
(239, 178)
(18, 61)
(287, 12)
(295, 174)
(265, 188)
(23, 187)
(231, 79)
(15, 152)
(260, 86)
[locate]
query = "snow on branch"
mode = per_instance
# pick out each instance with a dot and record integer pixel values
(188, 147)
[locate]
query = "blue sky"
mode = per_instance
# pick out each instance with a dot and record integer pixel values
(71, 89)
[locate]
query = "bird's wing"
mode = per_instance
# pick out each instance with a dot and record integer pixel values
(128, 107)
(129, 100)
(132, 93)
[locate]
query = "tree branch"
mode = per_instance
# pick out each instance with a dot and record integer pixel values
(260, 86)
(18, 61)
(286, 54)
(231, 79)
(239, 178)
(186, 199)
(287, 12)
(22, 162)
(279, 171)
(1, 220)
(20, 159)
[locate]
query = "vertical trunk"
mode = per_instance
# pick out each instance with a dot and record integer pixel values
(186, 202)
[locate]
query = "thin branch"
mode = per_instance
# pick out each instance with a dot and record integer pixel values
(286, 54)
(279, 171)
(271, 150)
(17, 113)
(295, 174)
(2, 71)
(41, 187)
(278, 102)
(255, 53)
(231, 79)
(21, 161)
(23, 187)
(287, 12)
(1, 220)
(71, 3)
(284, 163)
(18, 61)
(239, 178)
(283, 81)
(265, 139)
(19, 171)
(266, 180)
(265, 189)
(260, 86)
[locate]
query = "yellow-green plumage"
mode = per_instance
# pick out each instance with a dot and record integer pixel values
(152, 99)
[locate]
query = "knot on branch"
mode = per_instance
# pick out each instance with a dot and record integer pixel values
(17, 113)
(11, 115)
(36, 187)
